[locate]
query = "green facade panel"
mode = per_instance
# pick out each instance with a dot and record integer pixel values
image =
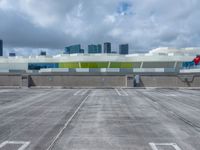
(69, 65)
(121, 65)
(94, 64)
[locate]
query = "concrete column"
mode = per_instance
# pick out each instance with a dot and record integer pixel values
(25, 80)
(129, 80)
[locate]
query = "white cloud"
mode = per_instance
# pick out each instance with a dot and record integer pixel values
(109, 19)
(116, 32)
(144, 24)
(5, 5)
(40, 12)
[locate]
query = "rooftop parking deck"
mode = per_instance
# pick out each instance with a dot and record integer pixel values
(99, 119)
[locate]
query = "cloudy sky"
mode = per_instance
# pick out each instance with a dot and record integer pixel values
(27, 26)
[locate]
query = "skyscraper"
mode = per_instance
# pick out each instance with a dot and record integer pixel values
(82, 51)
(12, 54)
(94, 49)
(1, 47)
(123, 49)
(99, 48)
(107, 47)
(43, 53)
(74, 49)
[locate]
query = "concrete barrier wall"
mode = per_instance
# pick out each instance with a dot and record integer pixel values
(77, 81)
(10, 80)
(99, 80)
(170, 81)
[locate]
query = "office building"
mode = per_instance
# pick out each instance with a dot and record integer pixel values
(107, 47)
(1, 47)
(123, 49)
(43, 53)
(74, 49)
(12, 54)
(114, 52)
(94, 49)
(82, 51)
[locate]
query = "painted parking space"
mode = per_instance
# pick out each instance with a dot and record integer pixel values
(14, 145)
(161, 146)
(96, 119)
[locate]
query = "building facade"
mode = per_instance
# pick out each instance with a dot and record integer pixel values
(74, 49)
(1, 47)
(82, 51)
(12, 54)
(43, 53)
(123, 49)
(107, 47)
(103, 62)
(92, 49)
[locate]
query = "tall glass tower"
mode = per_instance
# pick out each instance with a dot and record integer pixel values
(107, 47)
(1, 47)
(74, 49)
(123, 49)
(94, 49)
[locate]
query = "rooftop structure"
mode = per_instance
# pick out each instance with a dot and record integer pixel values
(176, 51)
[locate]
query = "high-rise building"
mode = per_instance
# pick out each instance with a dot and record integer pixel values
(114, 52)
(94, 49)
(12, 54)
(74, 49)
(82, 51)
(107, 47)
(99, 48)
(123, 49)
(1, 47)
(43, 53)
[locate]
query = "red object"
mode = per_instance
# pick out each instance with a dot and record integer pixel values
(197, 60)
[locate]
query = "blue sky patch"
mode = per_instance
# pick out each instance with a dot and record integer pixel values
(124, 8)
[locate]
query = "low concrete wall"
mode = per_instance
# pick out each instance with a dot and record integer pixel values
(100, 80)
(170, 81)
(10, 80)
(78, 80)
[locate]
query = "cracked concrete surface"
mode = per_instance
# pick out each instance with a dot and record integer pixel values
(100, 119)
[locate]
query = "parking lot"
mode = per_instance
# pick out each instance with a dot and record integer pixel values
(99, 119)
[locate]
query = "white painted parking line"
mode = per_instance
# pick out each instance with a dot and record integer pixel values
(80, 92)
(125, 93)
(66, 124)
(118, 92)
(84, 92)
(24, 144)
(154, 146)
(121, 92)
(77, 92)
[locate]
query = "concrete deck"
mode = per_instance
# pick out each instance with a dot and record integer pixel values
(99, 119)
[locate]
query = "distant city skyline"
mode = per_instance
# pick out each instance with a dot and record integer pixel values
(34, 25)
(106, 47)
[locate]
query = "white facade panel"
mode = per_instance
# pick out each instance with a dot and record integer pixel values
(113, 70)
(82, 70)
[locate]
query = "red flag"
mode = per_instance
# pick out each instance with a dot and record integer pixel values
(197, 60)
